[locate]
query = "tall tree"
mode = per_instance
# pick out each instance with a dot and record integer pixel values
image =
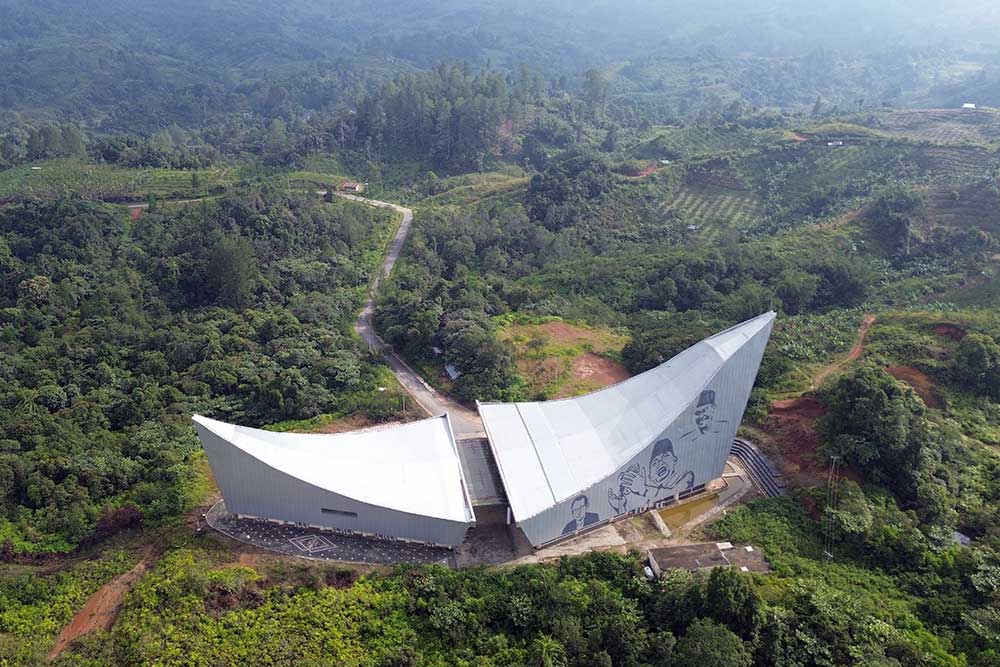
(232, 272)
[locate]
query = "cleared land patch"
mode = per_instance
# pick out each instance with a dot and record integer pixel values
(917, 379)
(678, 142)
(973, 206)
(956, 164)
(558, 359)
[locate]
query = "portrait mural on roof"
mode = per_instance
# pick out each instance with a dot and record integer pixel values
(672, 437)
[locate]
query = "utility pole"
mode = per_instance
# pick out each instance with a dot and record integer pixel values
(832, 498)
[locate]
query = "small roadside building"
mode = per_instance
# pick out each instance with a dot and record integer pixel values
(706, 556)
(350, 186)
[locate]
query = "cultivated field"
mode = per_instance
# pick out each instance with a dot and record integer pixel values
(942, 125)
(956, 164)
(714, 209)
(682, 142)
(973, 206)
(475, 188)
(52, 177)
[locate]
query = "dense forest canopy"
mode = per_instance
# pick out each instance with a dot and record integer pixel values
(111, 336)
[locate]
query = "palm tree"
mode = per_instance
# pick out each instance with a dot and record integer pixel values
(547, 652)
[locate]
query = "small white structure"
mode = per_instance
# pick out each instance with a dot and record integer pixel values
(968, 105)
(835, 143)
(452, 371)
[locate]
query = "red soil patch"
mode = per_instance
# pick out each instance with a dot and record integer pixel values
(949, 331)
(802, 408)
(101, 609)
(917, 379)
(792, 425)
(639, 173)
(796, 136)
(598, 370)
(855, 353)
(845, 219)
(135, 212)
(561, 332)
(253, 560)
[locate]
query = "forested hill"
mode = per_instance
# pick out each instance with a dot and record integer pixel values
(83, 61)
(111, 335)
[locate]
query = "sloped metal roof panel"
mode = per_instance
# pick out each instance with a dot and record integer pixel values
(411, 468)
(548, 452)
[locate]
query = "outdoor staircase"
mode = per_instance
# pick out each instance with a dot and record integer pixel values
(757, 467)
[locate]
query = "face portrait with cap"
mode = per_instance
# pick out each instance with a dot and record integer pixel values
(705, 424)
(704, 412)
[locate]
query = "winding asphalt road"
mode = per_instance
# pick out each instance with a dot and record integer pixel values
(465, 422)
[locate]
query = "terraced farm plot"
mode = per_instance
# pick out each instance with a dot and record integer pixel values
(713, 209)
(975, 206)
(833, 165)
(944, 126)
(956, 164)
(681, 142)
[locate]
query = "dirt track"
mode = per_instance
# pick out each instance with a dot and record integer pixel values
(854, 354)
(102, 607)
(792, 423)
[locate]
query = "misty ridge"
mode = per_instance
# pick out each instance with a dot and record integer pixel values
(84, 61)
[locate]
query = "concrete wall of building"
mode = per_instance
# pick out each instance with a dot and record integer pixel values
(252, 488)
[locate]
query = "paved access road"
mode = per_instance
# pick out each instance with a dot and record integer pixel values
(465, 422)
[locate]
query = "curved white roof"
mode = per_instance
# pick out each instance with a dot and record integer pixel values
(411, 468)
(548, 452)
